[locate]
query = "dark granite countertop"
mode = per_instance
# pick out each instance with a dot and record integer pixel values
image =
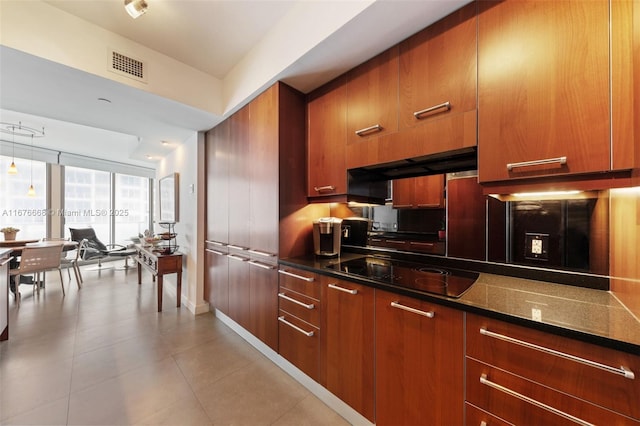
(590, 315)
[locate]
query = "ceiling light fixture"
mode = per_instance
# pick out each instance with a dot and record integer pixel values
(31, 192)
(18, 130)
(135, 8)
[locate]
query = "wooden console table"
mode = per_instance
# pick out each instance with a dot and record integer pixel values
(160, 265)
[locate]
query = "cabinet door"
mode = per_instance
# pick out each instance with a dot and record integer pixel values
(543, 88)
(625, 83)
(438, 70)
(239, 290)
(217, 279)
(239, 179)
(217, 165)
(372, 97)
(348, 349)
(262, 166)
(419, 192)
(419, 362)
(263, 302)
(299, 343)
(326, 140)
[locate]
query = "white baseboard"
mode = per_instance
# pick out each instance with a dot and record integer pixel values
(335, 403)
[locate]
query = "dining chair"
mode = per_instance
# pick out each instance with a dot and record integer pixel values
(36, 260)
(70, 262)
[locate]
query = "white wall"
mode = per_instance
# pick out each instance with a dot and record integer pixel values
(187, 160)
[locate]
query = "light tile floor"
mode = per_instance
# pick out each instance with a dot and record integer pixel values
(103, 355)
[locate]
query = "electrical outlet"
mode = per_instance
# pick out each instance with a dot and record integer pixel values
(536, 314)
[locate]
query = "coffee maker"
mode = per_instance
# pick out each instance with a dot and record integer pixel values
(326, 236)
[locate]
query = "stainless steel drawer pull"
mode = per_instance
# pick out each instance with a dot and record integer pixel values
(560, 160)
(261, 265)
(297, 302)
(300, 277)
(485, 381)
(236, 247)
(366, 130)
(324, 188)
(396, 304)
(346, 290)
(622, 371)
(219, 253)
(414, 243)
(445, 105)
(295, 327)
(261, 253)
(234, 257)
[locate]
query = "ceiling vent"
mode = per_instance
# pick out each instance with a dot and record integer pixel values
(127, 66)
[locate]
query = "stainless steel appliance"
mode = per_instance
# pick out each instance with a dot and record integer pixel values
(410, 275)
(326, 236)
(355, 231)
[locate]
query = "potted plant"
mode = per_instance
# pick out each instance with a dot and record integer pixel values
(442, 232)
(9, 233)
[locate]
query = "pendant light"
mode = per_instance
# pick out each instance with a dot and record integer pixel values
(13, 170)
(31, 192)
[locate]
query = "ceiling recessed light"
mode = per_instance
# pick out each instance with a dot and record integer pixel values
(149, 157)
(104, 100)
(165, 143)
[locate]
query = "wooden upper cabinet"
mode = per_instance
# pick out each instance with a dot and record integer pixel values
(543, 88)
(217, 150)
(263, 169)
(326, 140)
(438, 70)
(625, 83)
(239, 179)
(419, 192)
(372, 97)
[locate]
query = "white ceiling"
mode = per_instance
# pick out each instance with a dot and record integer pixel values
(209, 35)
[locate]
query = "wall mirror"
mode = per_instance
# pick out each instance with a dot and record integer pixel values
(168, 198)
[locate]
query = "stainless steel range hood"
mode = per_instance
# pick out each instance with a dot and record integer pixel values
(443, 162)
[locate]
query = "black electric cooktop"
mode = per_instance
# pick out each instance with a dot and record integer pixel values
(414, 276)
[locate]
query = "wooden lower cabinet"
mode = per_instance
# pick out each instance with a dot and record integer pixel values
(217, 277)
(263, 302)
(526, 376)
(239, 290)
(419, 362)
(348, 343)
(299, 320)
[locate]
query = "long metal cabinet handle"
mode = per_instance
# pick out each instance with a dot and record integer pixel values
(622, 371)
(297, 302)
(485, 381)
(219, 253)
(295, 327)
(261, 253)
(234, 257)
(375, 127)
(324, 188)
(215, 243)
(7, 260)
(236, 247)
(398, 305)
(261, 265)
(560, 160)
(446, 105)
(346, 290)
(300, 277)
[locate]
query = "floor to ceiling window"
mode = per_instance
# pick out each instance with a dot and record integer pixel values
(17, 209)
(131, 208)
(87, 201)
(116, 205)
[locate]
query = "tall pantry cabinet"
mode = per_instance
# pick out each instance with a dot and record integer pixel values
(255, 177)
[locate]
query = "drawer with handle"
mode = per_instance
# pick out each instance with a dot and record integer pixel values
(600, 375)
(299, 305)
(300, 281)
